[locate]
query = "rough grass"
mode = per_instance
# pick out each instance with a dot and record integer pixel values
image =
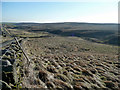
(71, 62)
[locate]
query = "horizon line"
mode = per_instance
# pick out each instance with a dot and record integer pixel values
(62, 22)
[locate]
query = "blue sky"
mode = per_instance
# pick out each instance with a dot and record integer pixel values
(46, 12)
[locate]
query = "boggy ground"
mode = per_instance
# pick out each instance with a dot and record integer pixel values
(71, 63)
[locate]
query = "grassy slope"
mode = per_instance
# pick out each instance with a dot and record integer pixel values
(66, 62)
(95, 32)
(70, 62)
(68, 44)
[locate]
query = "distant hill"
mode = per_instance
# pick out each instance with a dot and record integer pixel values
(74, 25)
(96, 32)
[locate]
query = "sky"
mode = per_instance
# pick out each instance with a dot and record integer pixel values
(47, 12)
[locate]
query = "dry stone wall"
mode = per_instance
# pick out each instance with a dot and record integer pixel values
(11, 64)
